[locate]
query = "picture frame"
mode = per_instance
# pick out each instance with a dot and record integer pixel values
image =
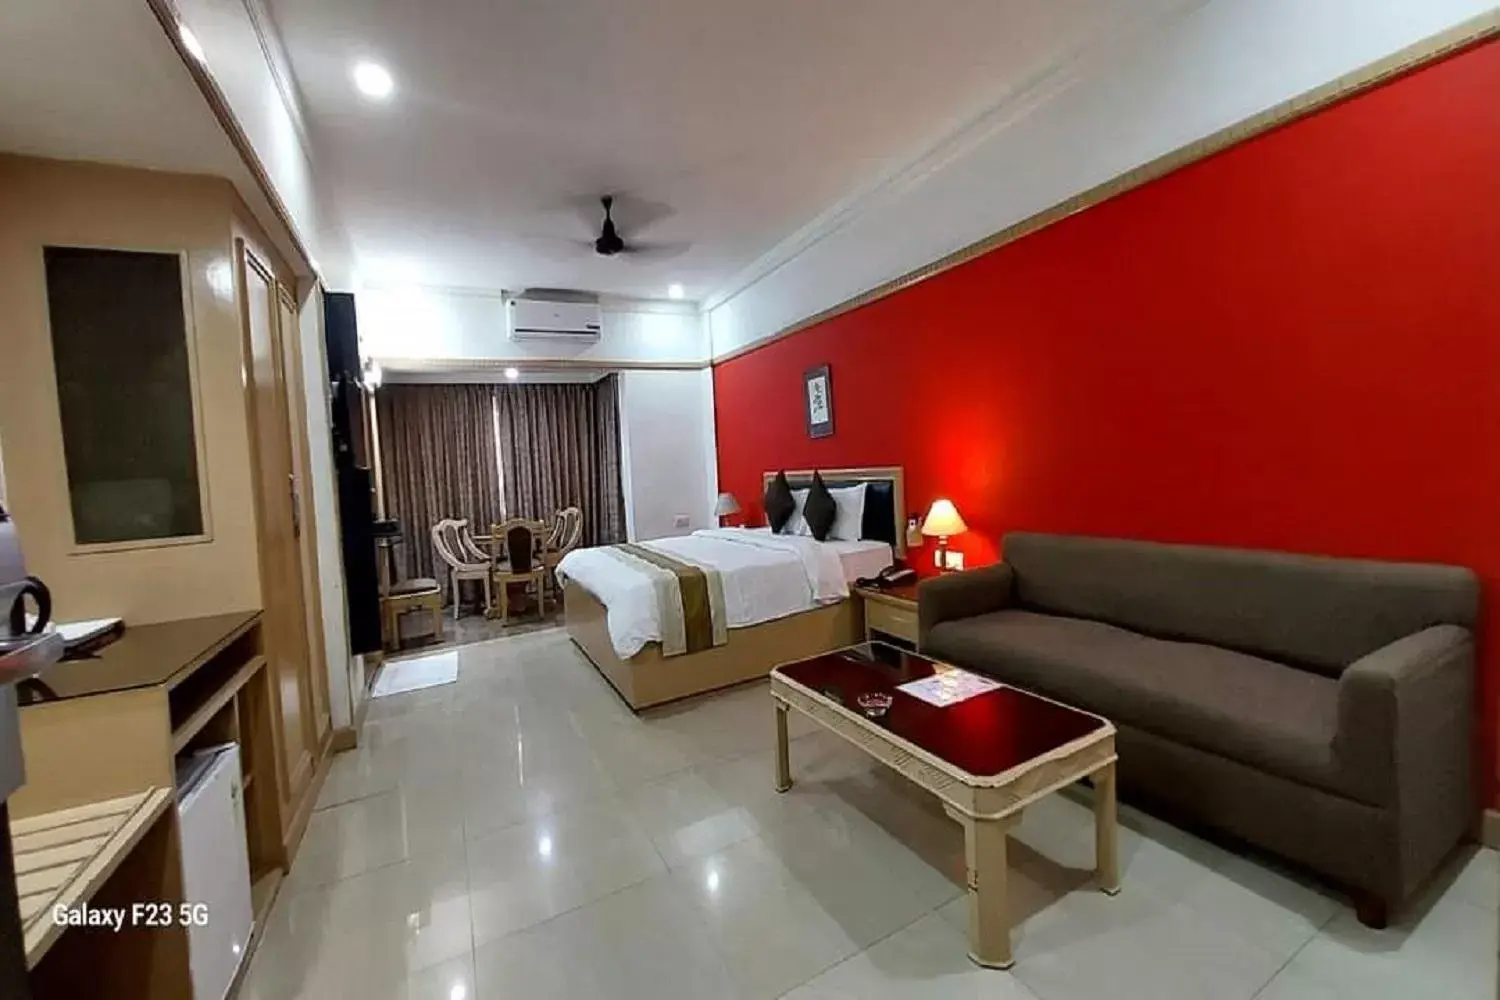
(817, 401)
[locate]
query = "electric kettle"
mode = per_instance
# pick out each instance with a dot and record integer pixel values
(23, 655)
(15, 587)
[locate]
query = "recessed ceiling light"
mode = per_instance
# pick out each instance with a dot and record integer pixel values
(512, 374)
(191, 43)
(674, 291)
(373, 80)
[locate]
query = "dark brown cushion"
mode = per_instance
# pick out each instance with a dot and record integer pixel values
(1255, 711)
(819, 510)
(414, 585)
(778, 502)
(1313, 611)
(520, 545)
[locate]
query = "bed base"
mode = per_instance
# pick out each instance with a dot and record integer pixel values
(648, 678)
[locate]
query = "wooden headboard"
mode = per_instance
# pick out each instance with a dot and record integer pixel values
(885, 499)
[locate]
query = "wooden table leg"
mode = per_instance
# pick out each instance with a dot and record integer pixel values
(783, 765)
(989, 914)
(1106, 830)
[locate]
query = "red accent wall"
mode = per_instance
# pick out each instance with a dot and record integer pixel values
(1294, 344)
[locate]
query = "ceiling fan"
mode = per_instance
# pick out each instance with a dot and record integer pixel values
(610, 243)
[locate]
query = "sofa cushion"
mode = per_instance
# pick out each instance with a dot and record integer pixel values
(1313, 611)
(1251, 710)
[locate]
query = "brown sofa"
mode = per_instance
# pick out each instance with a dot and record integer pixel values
(1322, 709)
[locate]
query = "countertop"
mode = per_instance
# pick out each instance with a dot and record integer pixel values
(903, 595)
(165, 653)
(62, 858)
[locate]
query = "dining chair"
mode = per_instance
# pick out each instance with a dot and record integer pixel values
(417, 594)
(566, 536)
(447, 543)
(473, 551)
(555, 530)
(517, 558)
(567, 530)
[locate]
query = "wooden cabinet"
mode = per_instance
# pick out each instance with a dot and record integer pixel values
(106, 748)
(890, 613)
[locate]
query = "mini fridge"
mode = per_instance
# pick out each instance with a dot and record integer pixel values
(215, 866)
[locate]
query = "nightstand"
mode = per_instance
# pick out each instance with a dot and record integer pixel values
(890, 613)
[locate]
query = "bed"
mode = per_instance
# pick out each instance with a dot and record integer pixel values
(770, 617)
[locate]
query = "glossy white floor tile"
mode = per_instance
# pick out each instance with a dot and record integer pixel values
(1446, 950)
(928, 960)
(642, 943)
(533, 871)
(520, 833)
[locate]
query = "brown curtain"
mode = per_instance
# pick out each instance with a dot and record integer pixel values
(560, 445)
(437, 453)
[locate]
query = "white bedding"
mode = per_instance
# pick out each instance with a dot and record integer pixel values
(862, 559)
(765, 577)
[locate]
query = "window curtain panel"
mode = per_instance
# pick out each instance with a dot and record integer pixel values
(437, 453)
(560, 447)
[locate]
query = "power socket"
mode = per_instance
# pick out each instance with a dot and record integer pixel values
(913, 533)
(955, 560)
(682, 520)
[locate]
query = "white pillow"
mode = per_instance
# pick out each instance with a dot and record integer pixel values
(797, 524)
(849, 521)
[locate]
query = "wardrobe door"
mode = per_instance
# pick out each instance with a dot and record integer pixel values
(316, 682)
(285, 621)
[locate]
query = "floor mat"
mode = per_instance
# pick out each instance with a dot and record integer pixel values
(416, 673)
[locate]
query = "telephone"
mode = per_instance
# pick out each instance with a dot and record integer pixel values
(891, 576)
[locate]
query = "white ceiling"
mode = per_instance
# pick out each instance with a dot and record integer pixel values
(49, 108)
(90, 81)
(747, 120)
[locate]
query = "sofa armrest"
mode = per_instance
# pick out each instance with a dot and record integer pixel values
(1406, 737)
(962, 595)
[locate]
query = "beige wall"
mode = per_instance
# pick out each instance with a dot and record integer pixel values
(45, 201)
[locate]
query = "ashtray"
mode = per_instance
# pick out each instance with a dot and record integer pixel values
(874, 703)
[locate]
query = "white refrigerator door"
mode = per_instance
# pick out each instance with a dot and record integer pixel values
(216, 872)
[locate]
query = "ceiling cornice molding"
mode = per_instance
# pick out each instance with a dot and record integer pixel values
(280, 65)
(443, 366)
(170, 21)
(609, 303)
(1028, 96)
(1481, 28)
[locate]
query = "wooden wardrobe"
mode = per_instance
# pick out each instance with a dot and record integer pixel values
(293, 623)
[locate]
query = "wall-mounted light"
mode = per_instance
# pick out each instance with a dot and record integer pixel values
(675, 291)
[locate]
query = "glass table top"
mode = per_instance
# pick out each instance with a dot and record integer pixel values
(985, 735)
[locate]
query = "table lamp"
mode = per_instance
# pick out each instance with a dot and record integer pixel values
(726, 505)
(943, 522)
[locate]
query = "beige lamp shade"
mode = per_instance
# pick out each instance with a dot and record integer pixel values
(726, 504)
(943, 520)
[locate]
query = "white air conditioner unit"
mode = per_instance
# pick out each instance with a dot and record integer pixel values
(574, 318)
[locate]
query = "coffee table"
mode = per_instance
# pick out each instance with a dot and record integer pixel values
(986, 758)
